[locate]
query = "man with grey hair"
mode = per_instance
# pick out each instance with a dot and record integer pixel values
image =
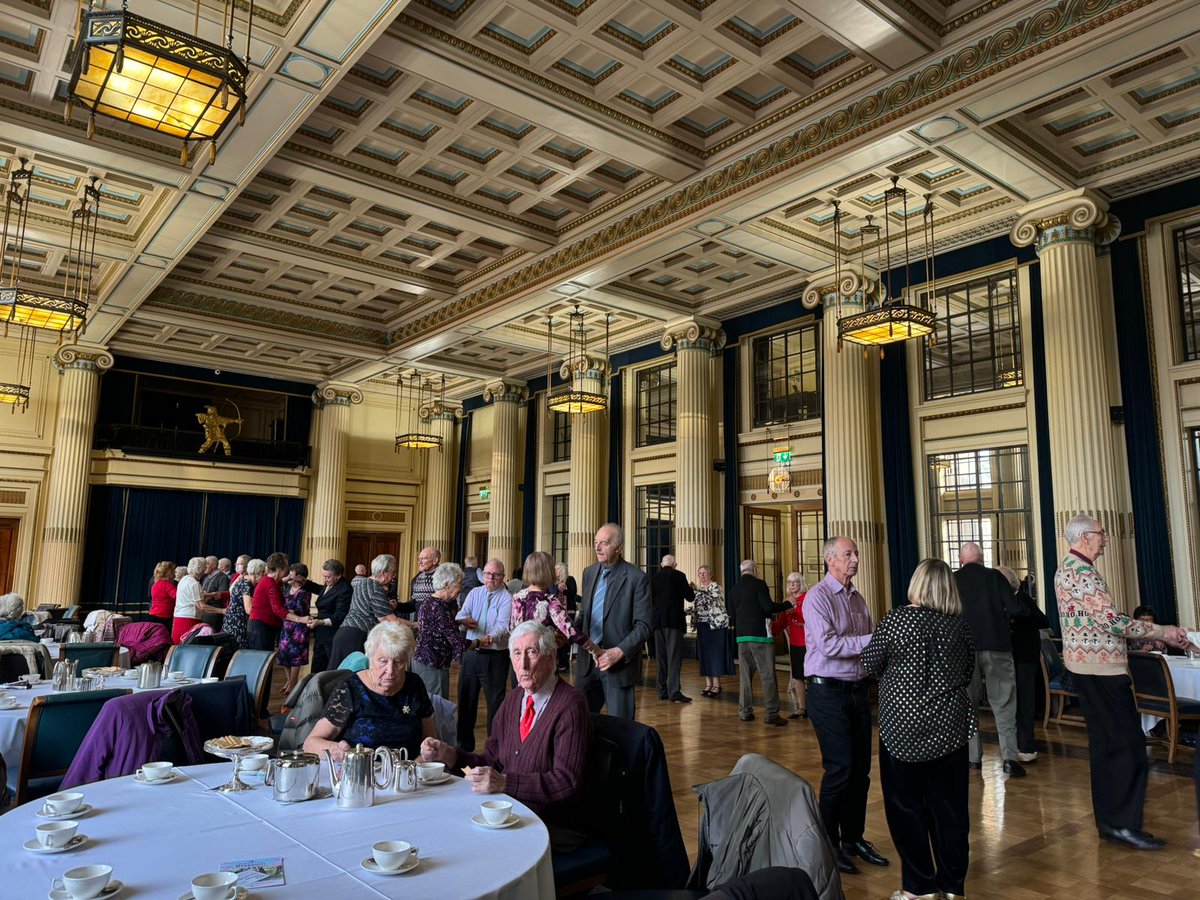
(421, 587)
(615, 613)
(1094, 632)
(837, 628)
(487, 615)
(669, 589)
(988, 602)
(214, 589)
(751, 610)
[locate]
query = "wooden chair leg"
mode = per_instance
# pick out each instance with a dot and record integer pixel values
(1172, 738)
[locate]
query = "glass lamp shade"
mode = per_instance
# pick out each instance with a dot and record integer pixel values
(414, 440)
(40, 309)
(886, 325)
(136, 70)
(577, 402)
(16, 395)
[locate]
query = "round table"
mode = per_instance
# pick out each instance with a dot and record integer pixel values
(1185, 675)
(158, 837)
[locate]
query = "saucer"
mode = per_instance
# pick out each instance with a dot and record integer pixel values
(240, 894)
(84, 809)
(73, 843)
(512, 819)
(110, 890)
(373, 867)
(14, 705)
(140, 779)
(441, 779)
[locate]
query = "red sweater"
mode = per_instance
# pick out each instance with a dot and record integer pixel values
(162, 599)
(268, 606)
(793, 621)
(545, 771)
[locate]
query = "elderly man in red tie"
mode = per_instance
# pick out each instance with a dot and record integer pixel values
(538, 747)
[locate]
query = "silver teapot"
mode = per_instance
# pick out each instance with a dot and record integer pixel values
(149, 675)
(404, 771)
(293, 776)
(354, 786)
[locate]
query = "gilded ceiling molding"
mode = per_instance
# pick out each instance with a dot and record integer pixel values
(263, 295)
(89, 357)
(1073, 217)
(1044, 30)
(609, 206)
(80, 124)
(491, 267)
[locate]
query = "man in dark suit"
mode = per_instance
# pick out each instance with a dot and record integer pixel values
(751, 608)
(668, 589)
(615, 613)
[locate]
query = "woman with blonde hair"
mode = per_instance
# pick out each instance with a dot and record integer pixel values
(923, 657)
(792, 623)
(162, 594)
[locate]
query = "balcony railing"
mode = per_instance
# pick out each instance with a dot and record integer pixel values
(179, 444)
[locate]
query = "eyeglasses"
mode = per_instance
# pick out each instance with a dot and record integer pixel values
(1101, 531)
(487, 574)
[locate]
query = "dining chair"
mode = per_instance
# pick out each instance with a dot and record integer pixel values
(1154, 693)
(192, 661)
(1057, 685)
(257, 666)
(220, 707)
(54, 733)
(94, 655)
(72, 611)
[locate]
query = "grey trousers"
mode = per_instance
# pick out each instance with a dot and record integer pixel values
(437, 681)
(995, 669)
(668, 653)
(760, 656)
(602, 691)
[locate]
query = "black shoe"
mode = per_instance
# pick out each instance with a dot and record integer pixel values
(976, 766)
(1138, 840)
(680, 698)
(749, 717)
(706, 693)
(663, 697)
(865, 851)
(1014, 768)
(844, 863)
(778, 721)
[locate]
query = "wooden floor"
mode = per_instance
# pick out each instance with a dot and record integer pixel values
(1031, 838)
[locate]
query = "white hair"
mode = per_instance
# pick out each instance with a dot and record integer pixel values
(796, 576)
(560, 569)
(668, 561)
(384, 562)
(11, 606)
(1079, 526)
(547, 644)
(256, 567)
(830, 548)
(196, 566)
(748, 566)
(617, 541)
(392, 639)
(445, 575)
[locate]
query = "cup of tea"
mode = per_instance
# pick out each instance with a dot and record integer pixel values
(495, 811)
(156, 771)
(61, 804)
(56, 834)
(391, 855)
(430, 771)
(83, 882)
(254, 762)
(214, 885)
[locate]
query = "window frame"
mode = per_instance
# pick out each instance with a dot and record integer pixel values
(1186, 300)
(648, 431)
(647, 556)
(560, 436)
(761, 379)
(560, 511)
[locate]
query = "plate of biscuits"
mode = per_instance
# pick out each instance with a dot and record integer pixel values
(231, 745)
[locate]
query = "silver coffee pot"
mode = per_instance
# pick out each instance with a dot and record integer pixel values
(404, 771)
(293, 776)
(149, 675)
(354, 785)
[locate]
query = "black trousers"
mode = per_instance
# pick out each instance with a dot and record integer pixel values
(261, 636)
(482, 671)
(165, 621)
(1027, 678)
(841, 717)
(322, 648)
(926, 806)
(1116, 749)
(346, 640)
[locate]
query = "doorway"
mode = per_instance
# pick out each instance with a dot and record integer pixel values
(364, 546)
(8, 553)
(479, 547)
(763, 546)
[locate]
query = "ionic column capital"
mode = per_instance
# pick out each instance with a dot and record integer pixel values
(1073, 217)
(438, 409)
(506, 390)
(332, 393)
(583, 366)
(88, 357)
(693, 333)
(840, 285)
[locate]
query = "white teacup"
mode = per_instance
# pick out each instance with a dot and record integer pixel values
(430, 771)
(254, 762)
(495, 811)
(211, 679)
(131, 673)
(156, 771)
(177, 676)
(56, 834)
(9, 702)
(84, 882)
(60, 804)
(31, 679)
(391, 855)
(214, 885)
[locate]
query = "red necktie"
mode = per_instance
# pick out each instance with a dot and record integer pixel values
(527, 719)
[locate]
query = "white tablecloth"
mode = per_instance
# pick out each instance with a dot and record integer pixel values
(1185, 674)
(158, 837)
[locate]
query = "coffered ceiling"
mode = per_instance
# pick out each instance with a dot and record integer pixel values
(424, 182)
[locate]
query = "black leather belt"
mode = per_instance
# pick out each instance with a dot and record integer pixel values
(839, 683)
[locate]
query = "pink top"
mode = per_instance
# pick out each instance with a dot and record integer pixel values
(530, 605)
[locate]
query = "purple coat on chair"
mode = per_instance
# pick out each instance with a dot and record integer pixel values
(147, 641)
(129, 732)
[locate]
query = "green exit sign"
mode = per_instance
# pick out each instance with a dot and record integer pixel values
(783, 457)
(484, 493)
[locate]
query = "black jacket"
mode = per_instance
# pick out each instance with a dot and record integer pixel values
(1026, 630)
(751, 608)
(988, 603)
(668, 589)
(333, 602)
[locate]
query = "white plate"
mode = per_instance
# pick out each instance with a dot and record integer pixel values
(512, 819)
(241, 894)
(78, 841)
(441, 779)
(111, 890)
(373, 867)
(84, 809)
(140, 779)
(258, 744)
(7, 706)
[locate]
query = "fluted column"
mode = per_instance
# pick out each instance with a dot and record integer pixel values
(589, 431)
(504, 537)
(1066, 231)
(850, 422)
(327, 537)
(439, 478)
(60, 567)
(696, 341)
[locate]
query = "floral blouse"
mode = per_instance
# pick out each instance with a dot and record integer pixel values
(438, 639)
(235, 612)
(531, 605)
(710, 606)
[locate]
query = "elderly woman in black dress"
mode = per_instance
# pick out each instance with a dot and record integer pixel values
(713, 634)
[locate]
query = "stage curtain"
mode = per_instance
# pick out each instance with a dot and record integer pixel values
(733, 509)
(616, 447)
(899, 491)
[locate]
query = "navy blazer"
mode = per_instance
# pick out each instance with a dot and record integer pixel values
(626, 619)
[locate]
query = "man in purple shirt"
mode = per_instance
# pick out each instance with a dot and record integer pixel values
(837, 627)
(487, 614)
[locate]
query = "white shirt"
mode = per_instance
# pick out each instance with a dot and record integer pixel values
(187, 598)
(540, 699)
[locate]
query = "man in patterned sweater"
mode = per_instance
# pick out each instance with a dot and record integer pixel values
(1094, 634)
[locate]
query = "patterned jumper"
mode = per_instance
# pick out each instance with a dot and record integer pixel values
(1093, 631)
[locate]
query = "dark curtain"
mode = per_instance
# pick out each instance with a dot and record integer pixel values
(156, 525)
(899, 490)
(1037, 337)
(616, 448)
(460, 487)
(106, 513)
(529, 492)
(236, 524)
(1156, 586)
(733, 540)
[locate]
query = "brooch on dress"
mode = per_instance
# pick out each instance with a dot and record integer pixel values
(406, 709)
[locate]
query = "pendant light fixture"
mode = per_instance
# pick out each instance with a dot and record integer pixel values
(586, 390)
(414, 438)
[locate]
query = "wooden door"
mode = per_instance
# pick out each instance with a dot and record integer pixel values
(479, 541)
(763, 546)
(364, 546)
(8, 553)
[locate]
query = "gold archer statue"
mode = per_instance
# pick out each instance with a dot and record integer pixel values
(214, 429)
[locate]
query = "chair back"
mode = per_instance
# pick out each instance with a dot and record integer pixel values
(221, 707)
(112, 628)
(309, 707)
(1151, 678)
(54, 733)
(1052, 659)
(192, 661)
(72, 612)
(257, 666)
(91, 656)
(13, 666)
